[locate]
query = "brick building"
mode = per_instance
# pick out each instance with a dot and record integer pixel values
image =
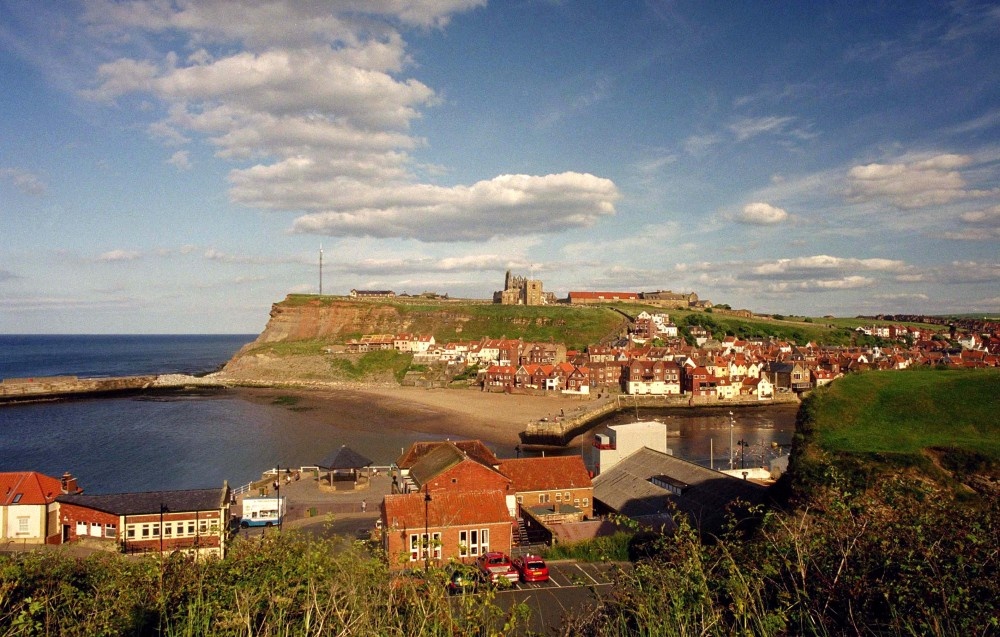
(193, 521)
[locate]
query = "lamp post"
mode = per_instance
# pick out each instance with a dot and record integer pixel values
(277, 491)
(732, 426)
(427, 535)
(743, 447)
(163, 509)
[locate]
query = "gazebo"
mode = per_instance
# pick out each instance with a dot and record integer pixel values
(346, 464)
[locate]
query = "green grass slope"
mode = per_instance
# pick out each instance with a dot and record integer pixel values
(913, 410)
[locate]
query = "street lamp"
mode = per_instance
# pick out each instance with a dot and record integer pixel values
(743, 447)
(427, 535)
(163, 509)
(732, 426)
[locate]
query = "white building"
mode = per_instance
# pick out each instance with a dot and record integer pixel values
(616, 442)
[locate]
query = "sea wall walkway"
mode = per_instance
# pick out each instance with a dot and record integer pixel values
(560, 432)
(20, 390)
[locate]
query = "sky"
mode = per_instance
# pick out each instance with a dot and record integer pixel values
(176, 166)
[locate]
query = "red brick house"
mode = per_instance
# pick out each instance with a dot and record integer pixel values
(434, 527)
(26, 506)
(562, 481)
(454, 505)
(193, 521)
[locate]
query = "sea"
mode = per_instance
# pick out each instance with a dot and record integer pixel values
(200, 439)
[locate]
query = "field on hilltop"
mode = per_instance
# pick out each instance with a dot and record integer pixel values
(940, 421)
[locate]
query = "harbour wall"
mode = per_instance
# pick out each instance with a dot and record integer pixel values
(560, 433)
(23, 390)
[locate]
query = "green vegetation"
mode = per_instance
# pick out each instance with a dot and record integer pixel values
(281, 584)
(612, 548)
(911, 411)
(310, 347)
(374, 364)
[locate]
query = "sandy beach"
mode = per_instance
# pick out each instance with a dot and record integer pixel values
(465, 413)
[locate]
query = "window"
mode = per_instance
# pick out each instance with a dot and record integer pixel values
(202, 527)
(145, 531)
(463, 544)
(22, 525)
(190, 528)
(419, 546)
(17, 498)
(520, 499)
(558, 497)
(586, 502)
(168, 529)
(543, 498)
(110, 530)
(95, 529)
(566, 496)
(81, 528)
(130, 532)
(576, 502)
(156, 530)
(484, 540)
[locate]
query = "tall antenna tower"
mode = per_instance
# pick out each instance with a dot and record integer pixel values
(321, 270)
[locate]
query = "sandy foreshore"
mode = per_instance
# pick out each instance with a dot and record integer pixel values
(466, 413)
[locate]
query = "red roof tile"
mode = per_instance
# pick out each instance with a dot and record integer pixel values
(544, 474)
(33, 487)
(407, 510)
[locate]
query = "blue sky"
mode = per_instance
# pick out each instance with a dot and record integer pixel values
(175, 166)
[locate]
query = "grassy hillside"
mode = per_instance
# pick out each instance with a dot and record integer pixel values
(463, 320)
(907, 412)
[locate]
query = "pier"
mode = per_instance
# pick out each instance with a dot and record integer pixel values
(25, 390)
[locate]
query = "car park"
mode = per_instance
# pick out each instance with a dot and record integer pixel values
(497, 567)
(531, 568)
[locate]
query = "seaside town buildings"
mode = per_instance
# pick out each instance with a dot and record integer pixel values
(656, 359)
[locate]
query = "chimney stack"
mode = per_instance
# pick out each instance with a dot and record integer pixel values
(69, 485)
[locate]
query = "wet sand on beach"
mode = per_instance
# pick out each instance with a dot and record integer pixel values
(463, 413)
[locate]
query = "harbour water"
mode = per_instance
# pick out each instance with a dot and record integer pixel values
(199, 440)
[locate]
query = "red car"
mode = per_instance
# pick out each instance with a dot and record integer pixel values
(532, 568)
(497, 566)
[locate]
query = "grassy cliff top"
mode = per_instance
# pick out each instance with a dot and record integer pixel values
(943, 423)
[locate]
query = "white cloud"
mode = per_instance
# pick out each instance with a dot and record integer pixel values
(533, 204)
(806, 265)
(324, 109)
(920, 183)
(118, 255)
(749, 127)
(761, 214)
(180, 160)
(25, 181)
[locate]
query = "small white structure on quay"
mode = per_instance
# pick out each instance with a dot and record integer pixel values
(615, 442)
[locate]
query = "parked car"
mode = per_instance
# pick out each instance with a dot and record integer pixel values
(464, 580)
(532, 568)
(497, 566)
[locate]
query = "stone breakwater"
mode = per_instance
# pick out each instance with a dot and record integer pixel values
(559, 433)
(21, 390)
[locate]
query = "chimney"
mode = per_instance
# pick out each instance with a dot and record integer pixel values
(69, 485)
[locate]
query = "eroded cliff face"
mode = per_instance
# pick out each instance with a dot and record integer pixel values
(328, 320)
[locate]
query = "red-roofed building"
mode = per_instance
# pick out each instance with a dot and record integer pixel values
(433, 527)
(555, 480)
(25, 512)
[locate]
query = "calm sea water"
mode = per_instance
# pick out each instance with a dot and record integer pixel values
(197, 441)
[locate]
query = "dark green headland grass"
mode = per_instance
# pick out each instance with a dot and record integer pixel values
(907, 412)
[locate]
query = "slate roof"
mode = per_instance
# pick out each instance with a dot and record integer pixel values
(344, 458)
(626, 488)
(33, 487)
(150, 501)
(546, 474)
(475, 449)
(437, 460)
(406, 510)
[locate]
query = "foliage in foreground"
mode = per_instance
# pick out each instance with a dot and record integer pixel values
(900, 558)
(285, 584)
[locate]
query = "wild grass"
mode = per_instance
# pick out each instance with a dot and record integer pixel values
(910, 411)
